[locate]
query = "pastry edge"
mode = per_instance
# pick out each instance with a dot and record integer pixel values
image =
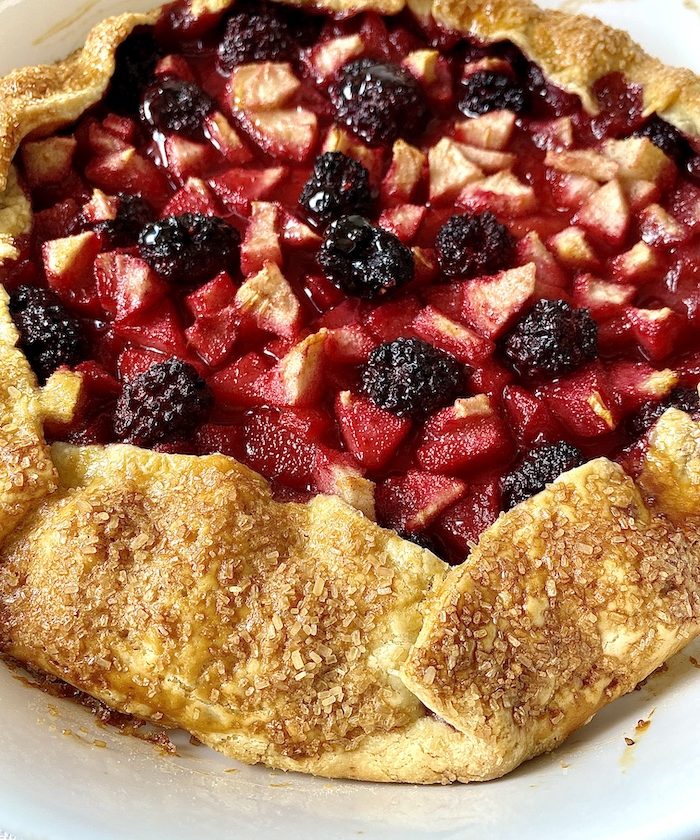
(429, 749)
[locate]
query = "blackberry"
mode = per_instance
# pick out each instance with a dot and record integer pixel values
(552, 338)
(166, 402)
(666, 137)
(364, 260)
(686, 399)
(410, 377)
(537, 469)
(134, 63)
(486, 91)
(468, 246)
(48, 335)
(189, 248)
(174, 105)
(256, 32)
(379, 102)
(338, 186)
(123, 230)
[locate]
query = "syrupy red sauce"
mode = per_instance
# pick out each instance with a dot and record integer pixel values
(281, 441)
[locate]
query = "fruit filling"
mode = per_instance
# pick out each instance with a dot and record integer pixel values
(364, 256)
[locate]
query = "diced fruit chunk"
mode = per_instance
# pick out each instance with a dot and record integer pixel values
(530, 419)
(68, 267)
(638, 158)
(636, 265)
(502, 193)
(261, 241)
(268, 298)
(263, 85)
(656, 330)
(128, 171)
(235, 385)
(48, 161)
(336, 473)
(188, 158)
(659, 228)
(492, 304)
(606, 214)
(329, 56)
(584, 402)
(238, 187)
(296, 379)
(371, 434)
(583, 162)
(126, 285)
(213, 335)
(403, 221)
(459, 340)
(194, 197)
(466, 437)
(213, 296)
(603, 299)
(573, 249)
(287, 133)
(636, 382)
(224, 137)
(461, 525)
(404, 174)
(489, 131)
(412, 501)
(450, 170)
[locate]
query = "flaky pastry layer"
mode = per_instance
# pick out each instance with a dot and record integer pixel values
(303, 635)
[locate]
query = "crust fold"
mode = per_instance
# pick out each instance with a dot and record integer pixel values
(305, 636)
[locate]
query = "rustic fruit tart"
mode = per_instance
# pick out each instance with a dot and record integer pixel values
(386, 259)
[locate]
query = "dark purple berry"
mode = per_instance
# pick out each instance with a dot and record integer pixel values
(379, 102)
(553, 338)
(410, 377)
(364, 260)
(174, 105)
(540, 467)
(666, 137)
(167, 402)
(685, 399)
(134, 63)
(338, 186)
(124, 229)
(256, 32)
(48, 335)
(469, 246)
(189, 248)
(487, 90)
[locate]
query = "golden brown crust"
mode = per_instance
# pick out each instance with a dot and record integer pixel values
(304, 636)
(564, 603)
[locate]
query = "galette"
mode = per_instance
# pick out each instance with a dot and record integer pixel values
(349, 364)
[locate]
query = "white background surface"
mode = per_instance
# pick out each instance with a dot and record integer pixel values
(56, 784)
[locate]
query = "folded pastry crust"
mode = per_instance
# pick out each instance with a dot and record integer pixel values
(303, 635)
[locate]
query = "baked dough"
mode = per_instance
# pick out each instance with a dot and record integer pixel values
(303, 635)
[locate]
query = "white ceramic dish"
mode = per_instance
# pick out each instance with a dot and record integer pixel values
(63, 778)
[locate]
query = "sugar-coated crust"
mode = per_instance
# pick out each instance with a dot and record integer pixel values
(564, 602)
(305, 636)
